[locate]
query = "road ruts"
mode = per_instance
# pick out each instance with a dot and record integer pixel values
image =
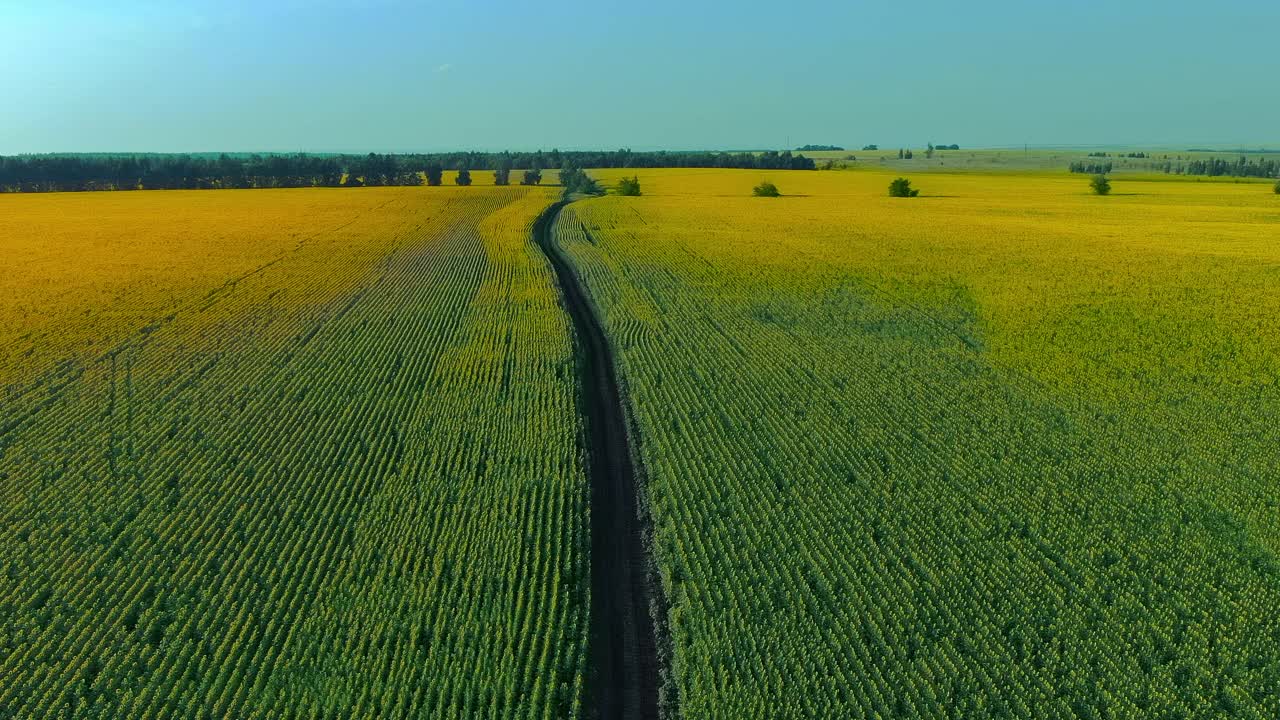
(624, 677)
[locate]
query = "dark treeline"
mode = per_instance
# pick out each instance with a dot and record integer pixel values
(600, 159)
(53, 173)
(1209, 167)
(1215, 167)
(1242, 151)
(64, 173)
(1091, 168)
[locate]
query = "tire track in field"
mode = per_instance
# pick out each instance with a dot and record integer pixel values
(625, 674)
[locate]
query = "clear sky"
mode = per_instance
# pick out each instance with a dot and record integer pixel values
(382, 75)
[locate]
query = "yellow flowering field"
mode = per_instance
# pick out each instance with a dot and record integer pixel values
(296, 453)
(1006, 449)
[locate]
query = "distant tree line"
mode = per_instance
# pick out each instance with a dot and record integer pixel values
(600, 159)
(1241, 151)
(374, 170)
(69, 173)
(1210, 167)
(1090, 168)
(53, 173)
(1215, 167)
(820, 148)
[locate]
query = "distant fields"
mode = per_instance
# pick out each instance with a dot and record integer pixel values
(1003, 450)
(295, 453)
(1029, 160)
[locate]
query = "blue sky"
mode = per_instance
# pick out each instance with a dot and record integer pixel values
(326, 75)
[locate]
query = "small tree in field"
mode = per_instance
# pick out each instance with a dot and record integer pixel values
(765, 189)
(629, 186)
(435, 174)
(502, 173)
(1277, 187)
(464, 177)
(532, 177)
(1100, 185)
(901, 187)
(576, 181)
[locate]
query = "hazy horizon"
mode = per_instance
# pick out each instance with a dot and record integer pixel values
(387, 76)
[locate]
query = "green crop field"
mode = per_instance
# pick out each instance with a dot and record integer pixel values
(1005, 450)
(639, 361)
(294, 453)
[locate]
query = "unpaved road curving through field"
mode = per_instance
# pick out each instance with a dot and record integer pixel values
(623, 652)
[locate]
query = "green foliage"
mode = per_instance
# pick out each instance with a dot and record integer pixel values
(901, 188)
(1085, 167)
(502, 172)
(629, 186)
(532, 176)
(435, 175)
(1100, 185)
(115, 171)
(1276, 187)
(765, 189)
(464, 177)
(576, 181)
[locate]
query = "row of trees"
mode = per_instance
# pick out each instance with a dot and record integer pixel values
(1210, 167)
(47, 173)
(539, 160)
(1215, 167)
(906, 154)
(69, 173)
(1090, 168)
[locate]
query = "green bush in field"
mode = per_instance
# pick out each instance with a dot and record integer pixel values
(576, 181)
(629, 186)
(1100, 185)
(901, 187)
(765, 189)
